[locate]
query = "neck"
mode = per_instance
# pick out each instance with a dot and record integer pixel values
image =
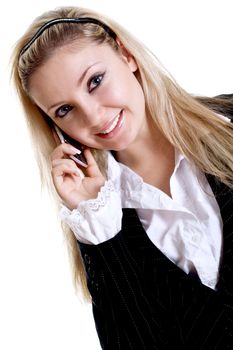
(152, 157)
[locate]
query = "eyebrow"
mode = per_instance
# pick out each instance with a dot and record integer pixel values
(79, 82)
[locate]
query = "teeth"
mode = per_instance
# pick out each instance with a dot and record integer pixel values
(107, 131)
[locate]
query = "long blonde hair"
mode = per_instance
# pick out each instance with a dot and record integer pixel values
(193, 128)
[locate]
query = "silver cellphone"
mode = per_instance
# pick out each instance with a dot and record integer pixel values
(64, 138)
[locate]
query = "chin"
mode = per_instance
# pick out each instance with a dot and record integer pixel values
(121, 146)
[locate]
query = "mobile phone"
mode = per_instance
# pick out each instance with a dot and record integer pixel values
(79, 158)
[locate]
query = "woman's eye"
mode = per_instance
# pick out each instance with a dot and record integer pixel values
(95, 81)
(63, 110)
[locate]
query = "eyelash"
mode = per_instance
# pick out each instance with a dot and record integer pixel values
(97, 76)
(60, 109)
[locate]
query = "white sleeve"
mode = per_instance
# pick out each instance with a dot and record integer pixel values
(95, 220)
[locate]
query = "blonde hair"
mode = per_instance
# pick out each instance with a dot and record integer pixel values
(193, 128)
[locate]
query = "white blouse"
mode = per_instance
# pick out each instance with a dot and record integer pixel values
(186, 227)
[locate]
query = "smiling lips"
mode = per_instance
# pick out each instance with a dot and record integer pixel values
(116, 124)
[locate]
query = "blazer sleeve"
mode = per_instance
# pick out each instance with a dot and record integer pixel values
(126, 314)
(141, 300)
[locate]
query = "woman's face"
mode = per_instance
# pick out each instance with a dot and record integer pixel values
(92, 94)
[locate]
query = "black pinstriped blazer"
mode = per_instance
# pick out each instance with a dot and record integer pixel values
(141, 300)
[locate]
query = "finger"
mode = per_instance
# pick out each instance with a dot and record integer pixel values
(92, 169)
(68, 164)
(55, 136)
(63, 150)
(64, 167)
(64, 184)
(62, 173)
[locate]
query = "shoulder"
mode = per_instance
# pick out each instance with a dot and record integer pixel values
(226, 105)
(221, 104)
(225, 96)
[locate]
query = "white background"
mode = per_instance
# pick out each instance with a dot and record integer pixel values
(38, 307)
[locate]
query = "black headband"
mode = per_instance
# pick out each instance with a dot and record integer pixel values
(66, 20)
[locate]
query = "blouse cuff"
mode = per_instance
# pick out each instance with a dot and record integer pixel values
(95, 220)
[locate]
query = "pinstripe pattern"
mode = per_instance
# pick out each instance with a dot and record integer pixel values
(141, 300)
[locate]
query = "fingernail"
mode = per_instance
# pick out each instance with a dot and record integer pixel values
(76, 150)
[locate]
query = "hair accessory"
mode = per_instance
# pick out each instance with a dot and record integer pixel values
(66, 20)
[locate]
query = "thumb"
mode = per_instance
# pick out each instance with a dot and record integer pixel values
(92, 168)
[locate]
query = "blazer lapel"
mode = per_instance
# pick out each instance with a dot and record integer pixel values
(224, 197)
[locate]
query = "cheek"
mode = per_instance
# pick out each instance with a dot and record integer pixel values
(123, 91)
(113, 93)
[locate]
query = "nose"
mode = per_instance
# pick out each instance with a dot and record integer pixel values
(91, 112)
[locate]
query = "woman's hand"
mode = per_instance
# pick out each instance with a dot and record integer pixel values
(69, 181)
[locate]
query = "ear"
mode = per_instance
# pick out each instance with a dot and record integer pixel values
(127, 57)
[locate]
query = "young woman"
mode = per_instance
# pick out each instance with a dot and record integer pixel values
(149, 220)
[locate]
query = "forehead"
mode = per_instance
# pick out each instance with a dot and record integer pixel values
(83, 52)
(74, 56)
(66, 65)
(81, 47)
